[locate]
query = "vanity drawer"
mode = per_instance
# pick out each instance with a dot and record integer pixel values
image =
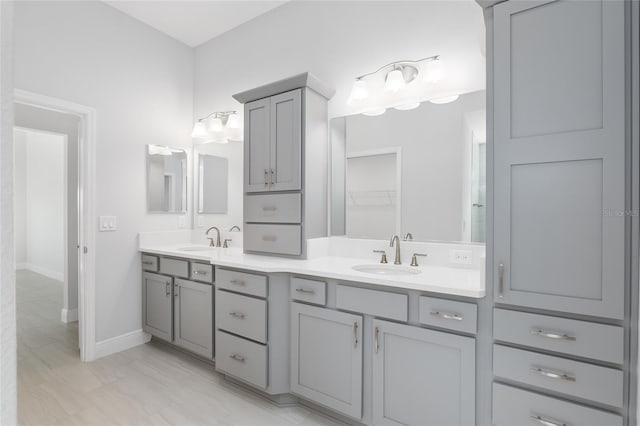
(242, 315)
(373, 302)
(241, 358)
(310, 291)
(580, 338)
(273, 208)
(579, 379)
(178, 268)
(241, 282)
(202, 272)
(451, 314)
(276, 239)
(513, 406)
(149, 263)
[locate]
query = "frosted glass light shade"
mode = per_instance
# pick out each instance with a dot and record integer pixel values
(360, 91)
(375, 112)
(233, 122)
(199, 131)
(395, 81)
(434, 71)
(407, 106)
(444, 99)
(216, 125)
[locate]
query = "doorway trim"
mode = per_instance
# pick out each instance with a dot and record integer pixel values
(86, 210)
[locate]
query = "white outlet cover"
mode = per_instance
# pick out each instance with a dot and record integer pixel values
(107, 224)
(461, 257)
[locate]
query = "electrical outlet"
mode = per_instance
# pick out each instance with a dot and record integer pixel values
(107, 224)
(461, 257)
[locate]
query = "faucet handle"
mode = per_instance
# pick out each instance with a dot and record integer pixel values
(383, 258)
(226, 241)
(211, 244)
(414, 260)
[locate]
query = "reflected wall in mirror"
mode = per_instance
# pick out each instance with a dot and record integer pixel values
(433, 156)
(166, 179)
(212, 186)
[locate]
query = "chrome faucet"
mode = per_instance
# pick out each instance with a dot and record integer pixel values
(234, 227)
(395, 239)
(217, 244)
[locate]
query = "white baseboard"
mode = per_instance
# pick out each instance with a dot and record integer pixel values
(69, 315)
(49, 273)
(121, 343)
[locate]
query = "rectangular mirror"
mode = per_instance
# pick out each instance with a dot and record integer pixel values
(212, 184)
(419, 172)
(166, 179)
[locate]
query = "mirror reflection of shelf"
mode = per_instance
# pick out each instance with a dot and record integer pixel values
(372, 198)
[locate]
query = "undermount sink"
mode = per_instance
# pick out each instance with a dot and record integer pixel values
(381, 269)
(196, 248)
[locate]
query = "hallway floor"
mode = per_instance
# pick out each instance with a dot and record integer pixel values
(148, 385)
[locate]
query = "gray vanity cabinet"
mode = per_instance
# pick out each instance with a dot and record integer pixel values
(157, 305)
(326, 358)
(193, 325)
(257, 145)
(422, 377)
(559, 156)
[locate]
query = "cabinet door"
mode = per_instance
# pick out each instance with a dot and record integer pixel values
(156, 306)
(194, 317)
(326, 358)
(559, 156)
(422, 377)
(256, 145)
(286, 141)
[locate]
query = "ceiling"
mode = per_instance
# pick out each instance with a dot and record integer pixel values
(194, 22)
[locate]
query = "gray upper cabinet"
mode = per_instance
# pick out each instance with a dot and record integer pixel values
(194, 317)
(157, 305)
(422, 377)
(326, 358)
(273, 138)
(559, 156)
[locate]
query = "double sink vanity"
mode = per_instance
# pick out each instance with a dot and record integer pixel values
(348, 334)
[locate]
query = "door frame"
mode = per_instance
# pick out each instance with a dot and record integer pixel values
(86, 210)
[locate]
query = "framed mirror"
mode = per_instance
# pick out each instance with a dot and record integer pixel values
(166, 179)
(212, 184)
(419, 172)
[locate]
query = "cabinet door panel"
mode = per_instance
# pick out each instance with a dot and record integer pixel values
(559, 156)
(194, 317)
(326, 358)
(157, 298)
(422, 377)
(286, 141)
(256, 145)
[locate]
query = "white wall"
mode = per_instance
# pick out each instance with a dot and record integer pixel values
(141, 84)
(40, 174)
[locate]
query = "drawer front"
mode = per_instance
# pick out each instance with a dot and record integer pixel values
(512, 406)
(178, 268)
(377, 303)
(242, 359)
(449, 314)
(241, 282)
(310, 291)
(580, 338)
(242, 315)
(273, 208)
(149, 263)
(276, 239)
(580, 379)
(202, 272)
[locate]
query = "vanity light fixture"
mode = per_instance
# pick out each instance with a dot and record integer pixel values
(407, 107)
(222, 127)
(444, 99)
(375, 112)
(360, 90)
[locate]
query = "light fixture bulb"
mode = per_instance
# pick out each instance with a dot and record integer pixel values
(199, 130)
(375, 112)
(233, 122)
(407, 107)
(216, 124)
(395, 81)
(444, 99)
(360, 91)
(435, 71)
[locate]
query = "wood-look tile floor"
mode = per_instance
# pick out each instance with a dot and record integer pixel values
(150, 384)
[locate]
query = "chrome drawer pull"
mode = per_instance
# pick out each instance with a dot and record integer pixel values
(269, 208)
(305, 291)
(546, 421)
(237, 357)
(501, 280)
(355, 334)
(552, 335)
(269, 238)
(147, 262)
(553, 374)
(376, 342)
(238, 315)
(200, 272)
(266, 183)
(237, 282)
(446, 315)
(167, 289)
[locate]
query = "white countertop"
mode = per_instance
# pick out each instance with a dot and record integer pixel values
(438, 279)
